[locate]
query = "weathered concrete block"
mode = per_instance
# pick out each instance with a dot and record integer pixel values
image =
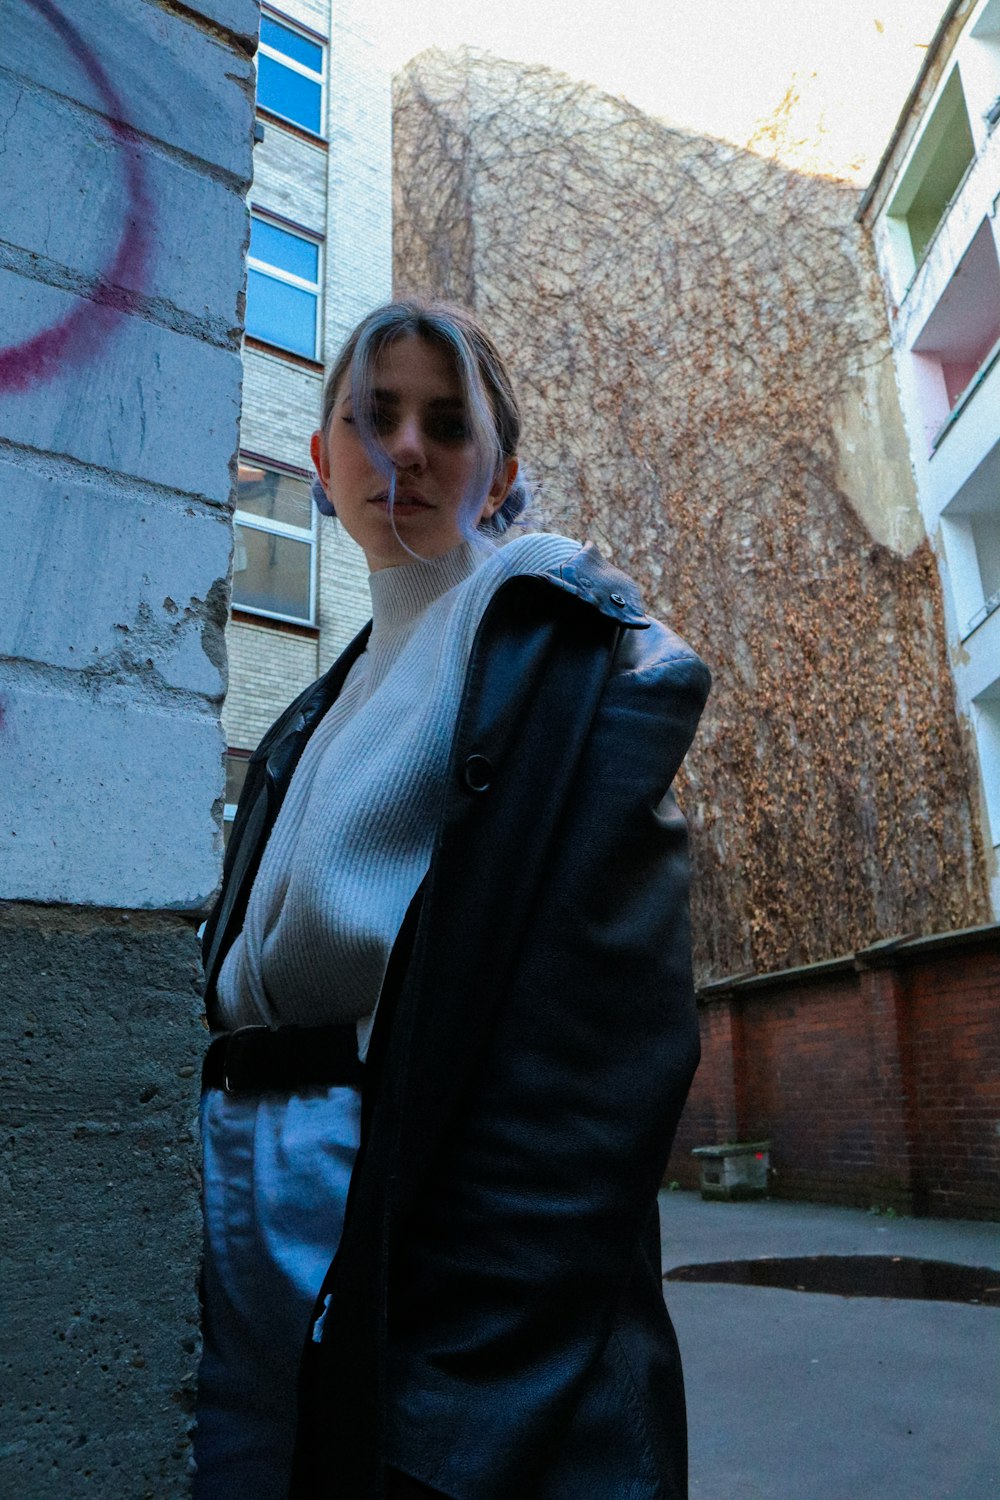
(107, 800)
(199, 99)
(99, 1056)
(734, 1172)
(241, 17)
(199, 272)
(156, 605)
(139, 398)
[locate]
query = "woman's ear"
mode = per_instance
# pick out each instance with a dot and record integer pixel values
(320, 456)
(321, 483)
(500, 488)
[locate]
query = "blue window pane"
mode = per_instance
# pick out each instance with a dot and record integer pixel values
(289, 94)
(289, 252)
(281, 314)
(282, 39)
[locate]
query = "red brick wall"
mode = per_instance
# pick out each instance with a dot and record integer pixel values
(877, 1084)
(710, 1114)
(952, 1003)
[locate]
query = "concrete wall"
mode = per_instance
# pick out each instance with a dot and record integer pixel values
(698, 336)
(126, 154)
(340, 188)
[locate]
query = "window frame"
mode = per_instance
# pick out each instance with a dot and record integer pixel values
(951, 104)
(283, 529)
(278, 273)
(229, 808)
(294, 66)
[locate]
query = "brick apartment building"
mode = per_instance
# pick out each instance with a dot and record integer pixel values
(319, 257)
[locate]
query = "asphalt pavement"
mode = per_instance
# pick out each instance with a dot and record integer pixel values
(798, 1395)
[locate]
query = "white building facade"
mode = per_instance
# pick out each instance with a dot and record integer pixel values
(320, 256)
(934, 213)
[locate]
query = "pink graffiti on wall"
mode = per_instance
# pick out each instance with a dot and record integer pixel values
(76, 337)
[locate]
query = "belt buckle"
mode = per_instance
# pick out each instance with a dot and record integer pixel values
(237, 1043)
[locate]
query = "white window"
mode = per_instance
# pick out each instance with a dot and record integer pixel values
(961, 339)
(970, 525)
(987, 722)
(283, 287)
(274, 563)
(237, 762)
(939, 163)
(290, 74)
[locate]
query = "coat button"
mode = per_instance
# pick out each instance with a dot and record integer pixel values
(478, 773)
(618, 599)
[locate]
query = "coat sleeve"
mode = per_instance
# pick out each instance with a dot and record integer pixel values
(506, 1276)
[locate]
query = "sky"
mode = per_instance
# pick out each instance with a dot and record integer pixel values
(718, 67)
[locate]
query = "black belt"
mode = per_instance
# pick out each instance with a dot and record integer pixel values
(259, 1060)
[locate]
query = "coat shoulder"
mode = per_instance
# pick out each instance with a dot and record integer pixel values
(661, 648)
(646, 642)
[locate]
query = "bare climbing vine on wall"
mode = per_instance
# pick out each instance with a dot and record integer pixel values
(684, 320)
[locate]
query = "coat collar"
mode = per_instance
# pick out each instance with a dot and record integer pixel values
(587, 575)
(593, 579)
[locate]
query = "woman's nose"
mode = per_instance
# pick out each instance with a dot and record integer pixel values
(406, 443)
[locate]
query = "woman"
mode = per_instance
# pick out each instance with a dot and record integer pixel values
(456, 857)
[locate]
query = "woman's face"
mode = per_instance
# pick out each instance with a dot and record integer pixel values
(419, 416)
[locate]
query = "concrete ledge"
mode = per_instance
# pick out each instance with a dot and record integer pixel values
(883, 954)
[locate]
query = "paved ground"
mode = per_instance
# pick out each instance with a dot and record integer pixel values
(799, 1396)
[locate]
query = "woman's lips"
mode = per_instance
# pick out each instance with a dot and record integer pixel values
(405, 503)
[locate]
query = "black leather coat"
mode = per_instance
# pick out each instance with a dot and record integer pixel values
(496, 1326)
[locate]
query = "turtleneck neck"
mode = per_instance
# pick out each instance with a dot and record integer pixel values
(402, 593)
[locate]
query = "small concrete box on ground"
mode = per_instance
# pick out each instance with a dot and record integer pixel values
(737, 1170)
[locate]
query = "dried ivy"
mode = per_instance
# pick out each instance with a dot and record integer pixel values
(683, 319)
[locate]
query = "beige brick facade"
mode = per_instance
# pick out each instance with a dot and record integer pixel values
(267, 667)
(338, 188)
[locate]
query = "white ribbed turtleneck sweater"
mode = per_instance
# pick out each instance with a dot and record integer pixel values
(353, 839)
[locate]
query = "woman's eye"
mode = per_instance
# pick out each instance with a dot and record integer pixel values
(449, 430)
(439, 429)
(379, 419)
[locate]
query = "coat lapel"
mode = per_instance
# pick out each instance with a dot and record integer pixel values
(271, 768)
(510, 772)
(521, 730)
